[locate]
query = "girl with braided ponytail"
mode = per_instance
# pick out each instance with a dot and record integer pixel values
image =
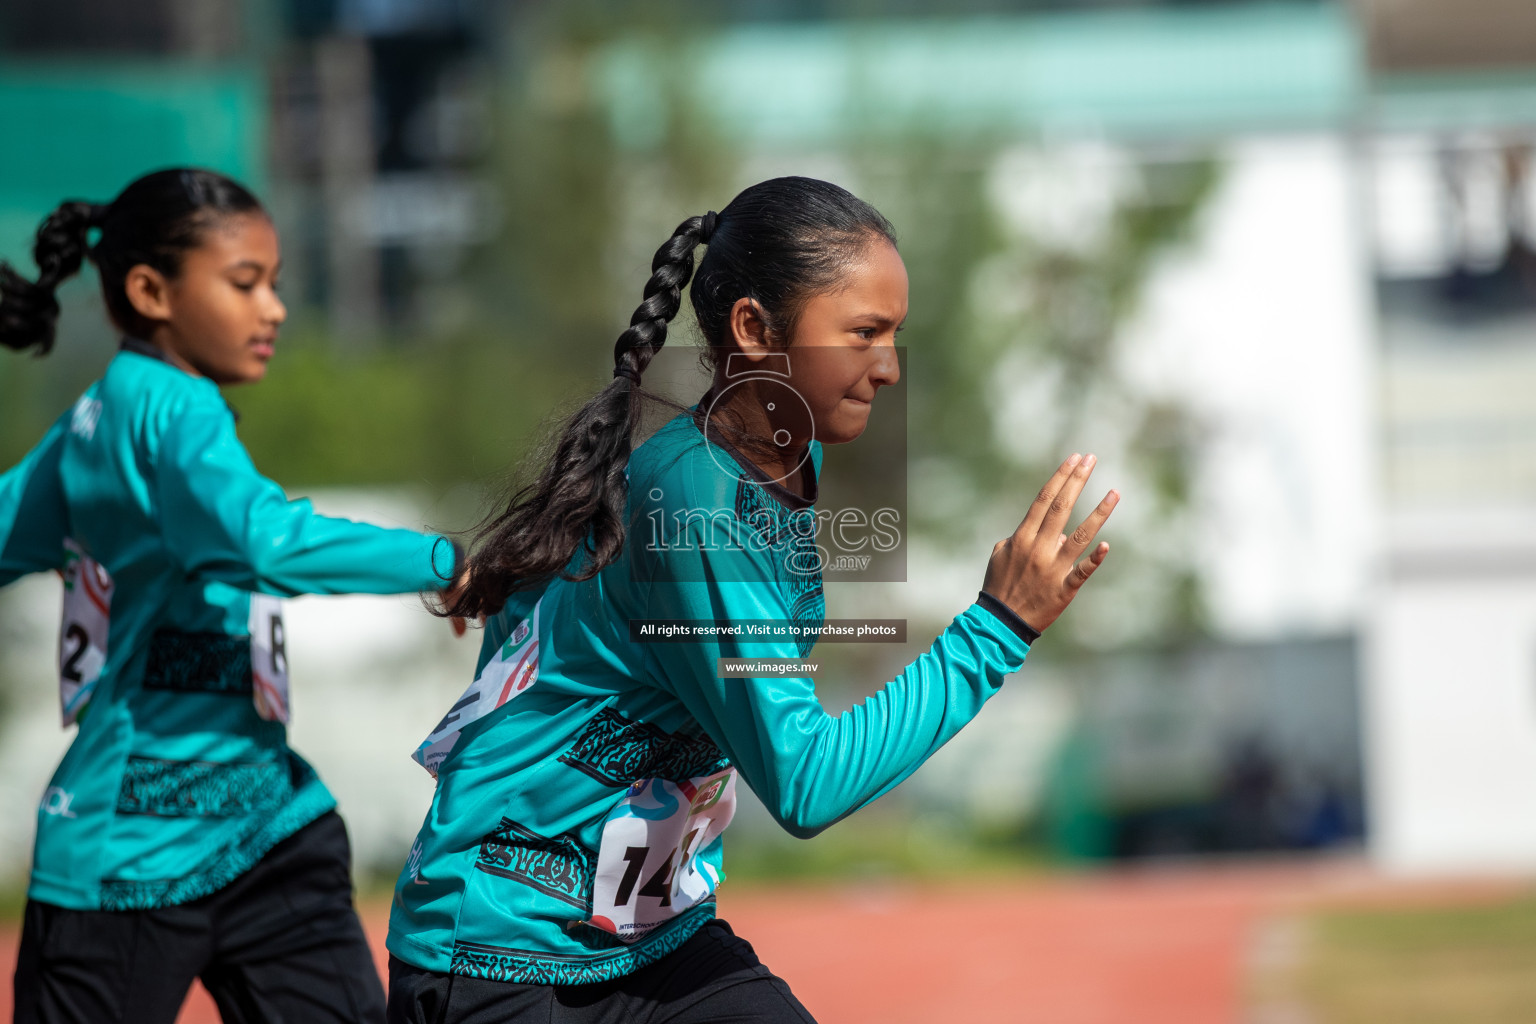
(567, 867)
(181, 837)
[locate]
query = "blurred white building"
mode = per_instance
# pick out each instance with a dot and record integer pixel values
(1451, 652)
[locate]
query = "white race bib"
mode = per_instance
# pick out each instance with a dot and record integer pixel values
(269, 658)
(648, 866)
(83, 630)
(509, 673)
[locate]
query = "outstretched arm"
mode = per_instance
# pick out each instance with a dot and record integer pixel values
(811, 768)
(225, 521)
(808, 767)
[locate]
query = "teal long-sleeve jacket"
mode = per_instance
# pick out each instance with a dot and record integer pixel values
(584, 779)
(176, 783)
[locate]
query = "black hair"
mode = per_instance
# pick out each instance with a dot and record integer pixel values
(780, 242)
(154, 221)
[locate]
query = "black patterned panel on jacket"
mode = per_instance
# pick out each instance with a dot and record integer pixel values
(198, 663)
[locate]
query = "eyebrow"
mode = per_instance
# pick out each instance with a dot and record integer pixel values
(255, 265)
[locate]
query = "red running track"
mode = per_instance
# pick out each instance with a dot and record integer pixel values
(1156, 947)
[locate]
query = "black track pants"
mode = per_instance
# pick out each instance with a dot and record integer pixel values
(280, 945)
(713, 977)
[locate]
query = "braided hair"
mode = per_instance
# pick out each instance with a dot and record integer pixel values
(29, 311)
(154, 221)
(779, 243)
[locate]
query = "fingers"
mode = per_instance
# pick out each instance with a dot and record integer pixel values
(1089, 527)
(1082, 570)
(1060, 508)
(1042, 503)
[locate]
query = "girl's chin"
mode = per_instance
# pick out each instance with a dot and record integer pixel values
(249, 373)
(844, 428)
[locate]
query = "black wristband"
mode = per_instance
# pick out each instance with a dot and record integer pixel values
(459, 558)
(1008, 617)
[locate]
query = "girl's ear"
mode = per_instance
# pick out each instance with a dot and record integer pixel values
(148, 292)
(748, 328)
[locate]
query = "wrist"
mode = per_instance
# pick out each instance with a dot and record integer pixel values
(1008, 617)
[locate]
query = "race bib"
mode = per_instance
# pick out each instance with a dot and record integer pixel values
(648, 866)
(269, 658)
(83, 630)
(509, 673)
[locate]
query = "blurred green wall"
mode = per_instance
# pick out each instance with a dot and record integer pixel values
(84, 130)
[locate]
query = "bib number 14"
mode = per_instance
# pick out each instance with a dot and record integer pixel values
(649, 868)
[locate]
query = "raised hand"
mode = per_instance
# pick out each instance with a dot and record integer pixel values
(1036, 571)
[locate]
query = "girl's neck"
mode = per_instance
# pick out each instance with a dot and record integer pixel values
(742, 419)
(160, 338)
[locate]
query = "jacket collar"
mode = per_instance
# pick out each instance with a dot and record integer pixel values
(138, 346)
(776, 489)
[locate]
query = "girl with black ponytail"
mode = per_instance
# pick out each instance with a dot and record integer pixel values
(568, 865)
(181, 837)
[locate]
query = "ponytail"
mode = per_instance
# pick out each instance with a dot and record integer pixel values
(577, 502)
(154, 222)
(29, 310)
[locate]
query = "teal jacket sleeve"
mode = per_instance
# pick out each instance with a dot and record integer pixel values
(224, 521)
(808, 767)
(34, 519)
